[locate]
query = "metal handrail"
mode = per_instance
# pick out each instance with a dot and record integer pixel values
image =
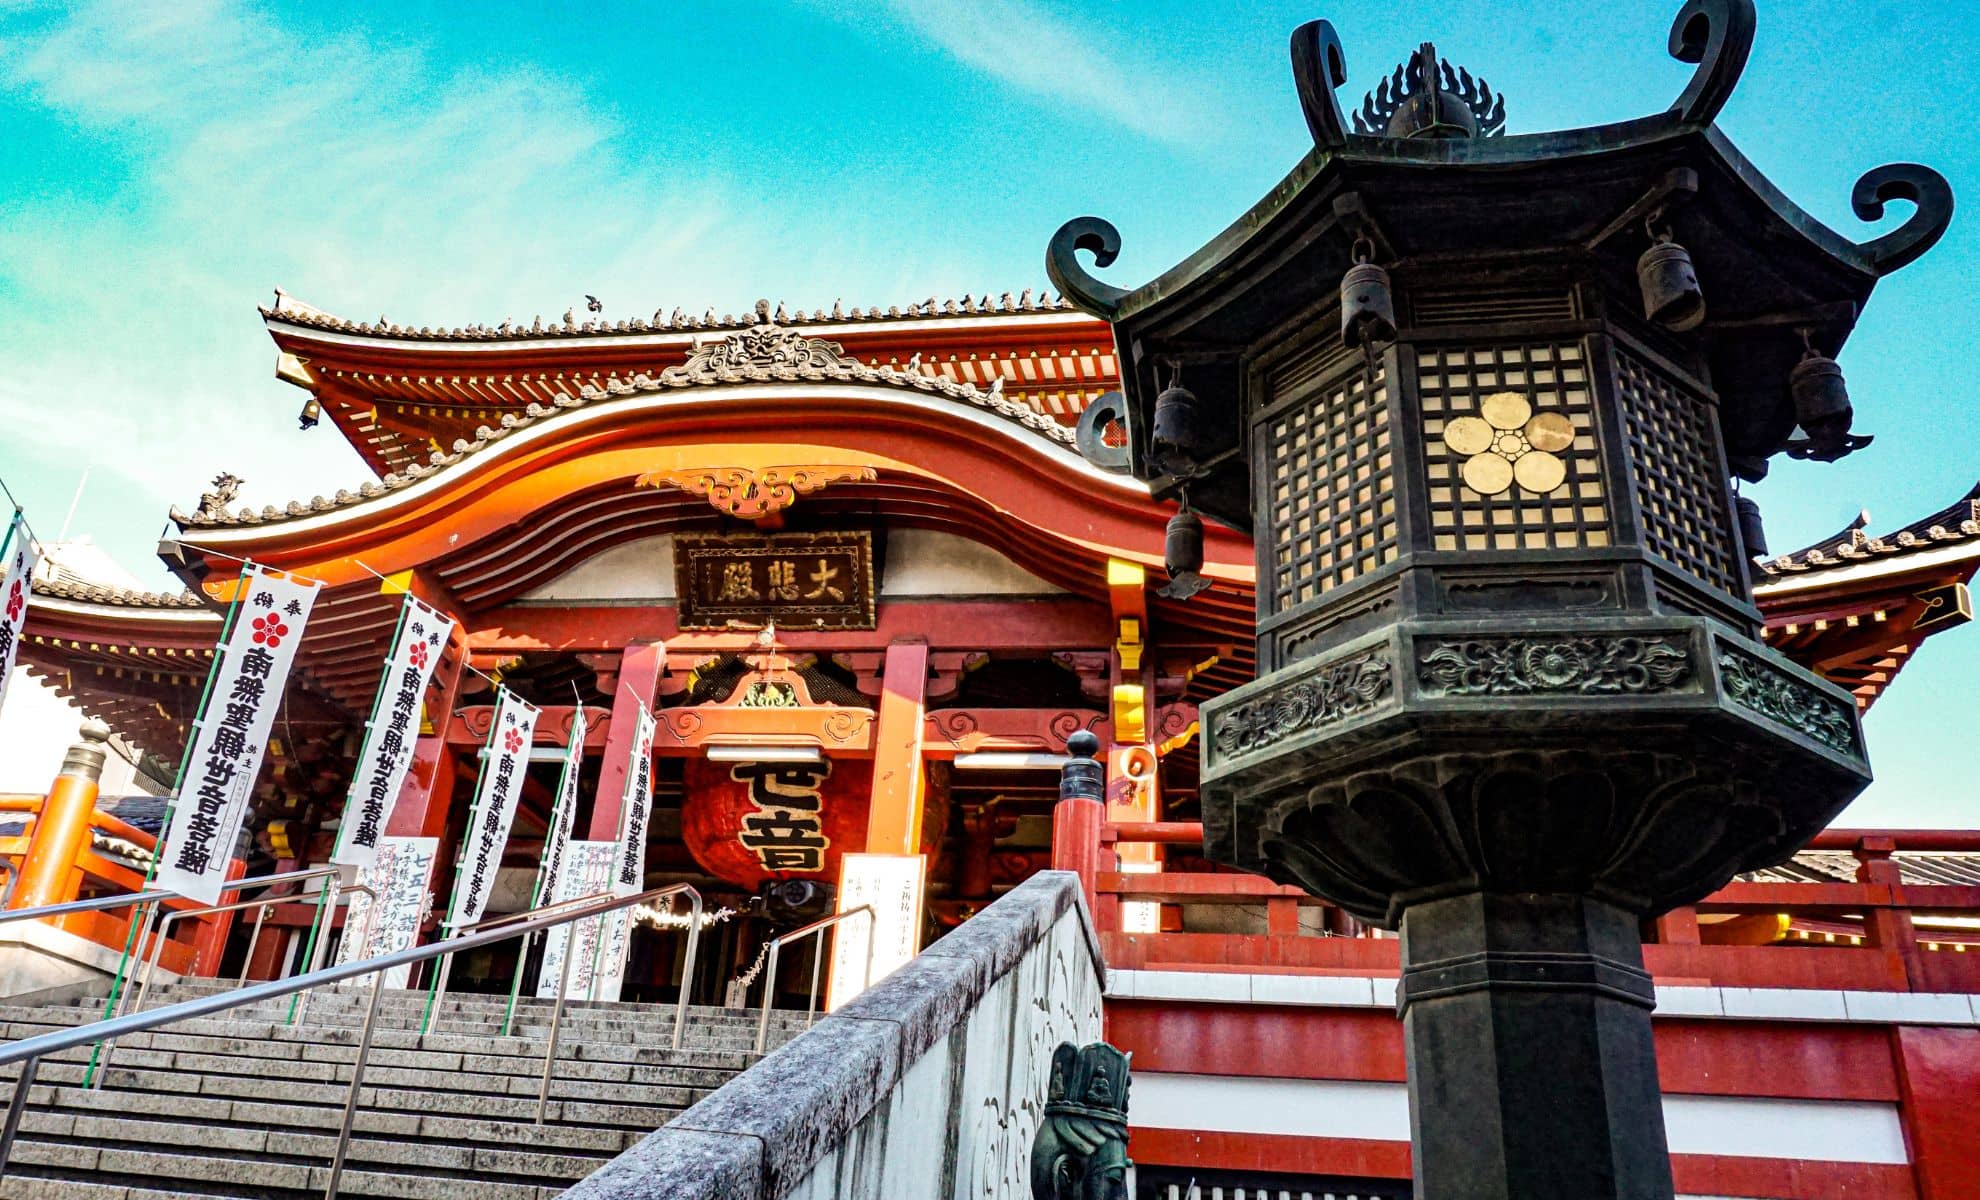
(261, 904)
(439, 993)
(101, 1068)
(150, 897)
(815, 929)
(30, 1051)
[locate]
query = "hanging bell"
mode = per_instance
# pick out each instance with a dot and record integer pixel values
(1671, 295)
(1751, 534)
(1182, 552)
(1821, 401)
(1176, 442)
(1368, 308)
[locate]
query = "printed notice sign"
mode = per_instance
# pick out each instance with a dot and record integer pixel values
(892, 885)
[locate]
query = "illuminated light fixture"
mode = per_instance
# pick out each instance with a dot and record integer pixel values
(1009, 760)
(782, 754)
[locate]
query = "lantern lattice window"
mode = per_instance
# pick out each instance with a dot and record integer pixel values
(1672, 455)
(1332, 503)
(1550, 378)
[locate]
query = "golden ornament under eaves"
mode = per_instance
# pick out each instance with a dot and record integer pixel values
(1509, 443)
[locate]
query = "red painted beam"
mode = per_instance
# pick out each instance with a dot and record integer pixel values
(1054, 624)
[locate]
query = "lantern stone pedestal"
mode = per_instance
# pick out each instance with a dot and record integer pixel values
(1480, 401)
(1516, 798)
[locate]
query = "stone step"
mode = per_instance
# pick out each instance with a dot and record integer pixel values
(324, 1086)
(572, 1139)
(60, 1171)
(274, 1036)
(303, 1057)
(464, 1159)
(240, 1104)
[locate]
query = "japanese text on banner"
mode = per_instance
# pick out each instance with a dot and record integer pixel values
(494, 808)
(562, 815)
(394, 730)
(15, 581)
(233, 729)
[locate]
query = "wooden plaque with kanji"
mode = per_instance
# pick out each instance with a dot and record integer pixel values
(797, 580)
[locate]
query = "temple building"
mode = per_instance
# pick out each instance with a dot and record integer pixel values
(896, 553)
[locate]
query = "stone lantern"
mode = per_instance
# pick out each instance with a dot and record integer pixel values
(1481, 400)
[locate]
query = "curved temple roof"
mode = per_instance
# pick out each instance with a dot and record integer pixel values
(756, 354)
(289, 310)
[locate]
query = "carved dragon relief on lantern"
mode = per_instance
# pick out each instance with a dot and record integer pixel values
(750, 493)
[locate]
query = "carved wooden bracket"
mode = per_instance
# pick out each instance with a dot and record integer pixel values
(754, 492)
(947, 732)
(553, 725)
(830, 729)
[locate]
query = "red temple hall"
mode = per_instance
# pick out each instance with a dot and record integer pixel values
(792, 754)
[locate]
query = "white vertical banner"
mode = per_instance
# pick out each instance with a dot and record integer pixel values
(494, 810)
(401, 872)
(892, 885)
(15, 583)
(629, 867)
(588, 870)
(393, 732)
(557, 838)
(231, 733)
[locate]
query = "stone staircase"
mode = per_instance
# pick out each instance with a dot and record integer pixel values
(241, 1105)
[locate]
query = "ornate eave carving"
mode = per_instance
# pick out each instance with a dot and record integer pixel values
(754, 492)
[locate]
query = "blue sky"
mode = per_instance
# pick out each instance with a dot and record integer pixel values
(163, 168)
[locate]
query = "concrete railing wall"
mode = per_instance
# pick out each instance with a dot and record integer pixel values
(929, 1086)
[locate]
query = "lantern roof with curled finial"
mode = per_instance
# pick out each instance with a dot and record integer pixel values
(1424, 179)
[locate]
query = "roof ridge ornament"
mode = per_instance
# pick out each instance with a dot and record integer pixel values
(1415, 102)
(765, 346)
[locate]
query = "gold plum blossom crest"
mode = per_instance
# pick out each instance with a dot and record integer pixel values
(1509, 443)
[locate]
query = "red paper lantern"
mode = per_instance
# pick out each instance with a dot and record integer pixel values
(750, 823)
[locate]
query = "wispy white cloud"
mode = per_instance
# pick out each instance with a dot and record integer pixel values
(1038, 50)
(362, 177)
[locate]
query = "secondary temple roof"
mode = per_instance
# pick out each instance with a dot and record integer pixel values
(399, 393)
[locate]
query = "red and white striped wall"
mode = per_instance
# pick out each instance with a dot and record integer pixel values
(1770, 1093)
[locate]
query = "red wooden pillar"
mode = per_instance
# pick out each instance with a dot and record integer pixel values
(893, 822)
(1938, 1077)
(639, 677)
(424, 799)
(49, 870)
(1678, 927)
(210, 935)
(1888, 929)
(1079, 821)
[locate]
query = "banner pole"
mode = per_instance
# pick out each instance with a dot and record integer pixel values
(573, 762)
(370, 724)
(309, 945)
(460, 857)
(179, 781)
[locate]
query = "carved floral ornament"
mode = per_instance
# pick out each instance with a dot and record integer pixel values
(1508, 443)
(752, 492)
(1591, 665)
(1785, 700)
(1344, 689)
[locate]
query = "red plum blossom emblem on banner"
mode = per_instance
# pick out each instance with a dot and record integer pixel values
(15, 602)
(419, 655)
(512, 741)
(269, 631)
